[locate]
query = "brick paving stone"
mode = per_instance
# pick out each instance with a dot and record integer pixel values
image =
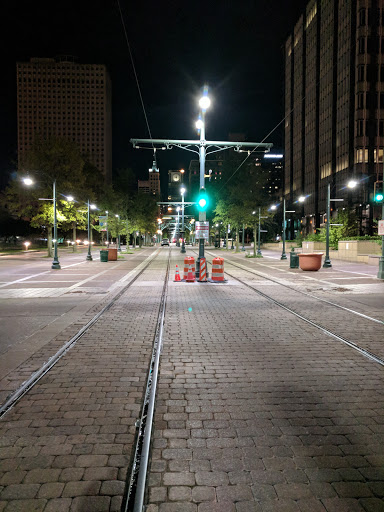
(372, 504)
(58, 505)
(248, 506)
(179, 493)
(72, 489)
(202, 493)
(280, 506)
(19, 491)
(50, 490)
(177, 507)
(223, 506)
(112, 487)
(352, 489)
(26, 506)
(91, 503)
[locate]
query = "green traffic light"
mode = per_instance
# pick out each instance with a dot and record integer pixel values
(202, 201)
(379, 198)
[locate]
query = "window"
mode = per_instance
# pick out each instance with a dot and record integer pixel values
(361, 73)
(362, 17)
(360, 128)
(380, 160)
(360, 100)
(361, 44)
(361, 155)
(380, 128)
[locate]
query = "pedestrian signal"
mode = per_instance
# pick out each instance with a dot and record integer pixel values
(378, 193)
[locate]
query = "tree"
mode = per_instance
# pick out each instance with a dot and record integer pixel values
(52, 160)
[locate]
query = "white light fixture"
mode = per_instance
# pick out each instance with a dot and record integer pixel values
(70, 198)
(93, 206)
(301, 199)
(273, 207)
(204, 102)
(27, 181)
(199, 124)
(183, 190)
(352, 184)
(273, 155)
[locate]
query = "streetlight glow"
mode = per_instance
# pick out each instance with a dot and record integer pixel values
(273, 207)
(70, 198)
(182, 190)
(352, 184)
(27, 181)
(301, 199)
(199, 124)
(204, 102)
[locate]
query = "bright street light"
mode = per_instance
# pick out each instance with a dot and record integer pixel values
(199, 124)
(27, 181)
(301, 199)
(204, 102)
(352, 184)
(70, 198)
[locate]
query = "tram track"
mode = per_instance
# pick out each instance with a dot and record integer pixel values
(370, 354)
(53, 360)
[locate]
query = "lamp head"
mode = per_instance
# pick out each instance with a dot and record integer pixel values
(204, 102)
(27, 181)
(352, 184)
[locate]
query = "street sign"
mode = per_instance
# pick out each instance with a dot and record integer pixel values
(202, 230)
(381, 228)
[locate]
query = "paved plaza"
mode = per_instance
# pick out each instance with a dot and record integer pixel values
(257, 410)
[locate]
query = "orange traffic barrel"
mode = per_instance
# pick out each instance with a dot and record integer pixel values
(218, 269)
(189, 266)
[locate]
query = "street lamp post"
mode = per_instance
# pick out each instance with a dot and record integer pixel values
(178, 227)
(283, 254)
(380, 274)
(118, 232)
(55, 262)
(182, 221)
(204, 104)
(243, 248)
(327, 262)
(107, 229)
(89, 255)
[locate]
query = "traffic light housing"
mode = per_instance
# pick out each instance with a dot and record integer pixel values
(378, 192)
(202, 200)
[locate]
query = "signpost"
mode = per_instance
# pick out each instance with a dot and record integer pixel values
(381, 228)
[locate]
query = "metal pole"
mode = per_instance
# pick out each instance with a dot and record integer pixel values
(283, 255)
(89, 255)
(182, 224)
(178, 230)
(107, 231)
(202, 215)
(55, 262)
(259, 236)
(243, 248)
(327, 262)
(380, 274)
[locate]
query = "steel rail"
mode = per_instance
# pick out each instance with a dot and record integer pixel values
(362, 351)
(134, 501)
(46, 367)
(261, 274)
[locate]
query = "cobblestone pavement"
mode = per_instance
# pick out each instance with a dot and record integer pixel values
(258, 411)
(66, 445)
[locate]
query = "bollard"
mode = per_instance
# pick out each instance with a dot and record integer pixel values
(293, 259)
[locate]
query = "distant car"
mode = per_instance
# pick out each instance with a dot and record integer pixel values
(164, 241)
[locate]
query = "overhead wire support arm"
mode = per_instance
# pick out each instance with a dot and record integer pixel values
(184, 144)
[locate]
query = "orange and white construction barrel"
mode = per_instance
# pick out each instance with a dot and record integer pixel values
(189, 266)
(218, 269)
(203, 270)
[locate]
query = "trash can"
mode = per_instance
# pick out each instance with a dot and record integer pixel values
(294, 259)
(104, 256)
(112, 254)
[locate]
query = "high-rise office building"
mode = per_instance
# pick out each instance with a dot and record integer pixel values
(334, 107)
(152, 184)
(58, 97)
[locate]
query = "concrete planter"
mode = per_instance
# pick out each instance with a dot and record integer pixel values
(313, 246)
(310, 261)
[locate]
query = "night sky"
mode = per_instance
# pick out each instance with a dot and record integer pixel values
(236, 47)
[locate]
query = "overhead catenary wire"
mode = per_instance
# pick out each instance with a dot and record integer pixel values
(137, 79)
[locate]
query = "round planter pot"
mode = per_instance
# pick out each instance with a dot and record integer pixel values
(310, 261)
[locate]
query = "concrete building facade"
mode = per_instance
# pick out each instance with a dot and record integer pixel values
(62, 98)
(334, 107)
